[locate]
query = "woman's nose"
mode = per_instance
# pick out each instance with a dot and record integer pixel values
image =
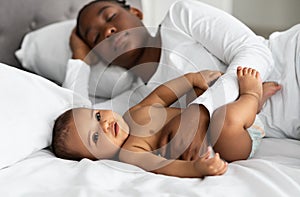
(110, 31)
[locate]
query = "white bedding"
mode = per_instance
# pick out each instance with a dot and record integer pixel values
(274, 171)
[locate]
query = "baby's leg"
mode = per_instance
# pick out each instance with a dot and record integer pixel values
(269, 89)
(229, 123)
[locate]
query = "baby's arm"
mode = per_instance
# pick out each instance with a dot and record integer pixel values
(169, 92)
(199, 168)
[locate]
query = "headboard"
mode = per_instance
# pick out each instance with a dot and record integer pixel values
(18, 17)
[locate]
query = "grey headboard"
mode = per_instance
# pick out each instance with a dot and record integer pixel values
(18, 17)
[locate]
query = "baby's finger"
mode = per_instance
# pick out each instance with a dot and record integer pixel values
(224, 168)
(216, 161)
(207, 154)
(162, 144)
(216, 158)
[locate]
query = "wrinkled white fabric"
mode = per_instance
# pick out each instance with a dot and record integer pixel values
(281, 113)
(273, 171)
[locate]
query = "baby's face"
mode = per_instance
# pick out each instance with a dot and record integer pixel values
(98, 132)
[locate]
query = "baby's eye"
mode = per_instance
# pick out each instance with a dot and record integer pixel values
(98, 116)
(95, 137)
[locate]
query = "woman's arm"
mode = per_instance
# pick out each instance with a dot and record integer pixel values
(77, 77)
(228, 39)
(78, 68)
(80, 50)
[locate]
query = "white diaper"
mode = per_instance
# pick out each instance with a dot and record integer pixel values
(256, 132)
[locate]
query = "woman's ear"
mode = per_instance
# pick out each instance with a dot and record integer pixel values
(136, 12)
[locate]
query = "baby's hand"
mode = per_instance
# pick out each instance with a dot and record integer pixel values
(210, 76)
(203, 79)
(206, 166)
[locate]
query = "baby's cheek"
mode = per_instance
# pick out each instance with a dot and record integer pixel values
(106, 148)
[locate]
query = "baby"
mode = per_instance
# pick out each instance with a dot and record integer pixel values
(145, 130)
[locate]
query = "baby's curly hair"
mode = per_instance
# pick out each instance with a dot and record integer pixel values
(121, 2)
(61, 130)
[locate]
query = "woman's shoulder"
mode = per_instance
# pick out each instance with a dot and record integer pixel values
(182, 10)
(186, 4)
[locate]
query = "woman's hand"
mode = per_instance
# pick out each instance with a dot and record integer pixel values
(80, 50)
(206, 166)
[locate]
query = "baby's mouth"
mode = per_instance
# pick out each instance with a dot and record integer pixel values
(116, 129)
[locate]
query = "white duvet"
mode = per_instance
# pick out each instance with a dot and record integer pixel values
(274, 171)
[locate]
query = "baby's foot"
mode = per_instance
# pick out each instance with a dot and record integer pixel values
(269, 89)
(250, 83)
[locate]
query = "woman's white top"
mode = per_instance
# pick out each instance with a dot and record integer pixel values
(196, 36)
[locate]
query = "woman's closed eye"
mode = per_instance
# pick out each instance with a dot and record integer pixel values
(110, 18)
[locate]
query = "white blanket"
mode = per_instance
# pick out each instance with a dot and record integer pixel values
(274, 171)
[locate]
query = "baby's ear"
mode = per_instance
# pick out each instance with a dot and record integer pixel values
(136, 12)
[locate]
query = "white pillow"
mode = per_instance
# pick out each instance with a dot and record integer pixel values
(29, 105)
(46, 52)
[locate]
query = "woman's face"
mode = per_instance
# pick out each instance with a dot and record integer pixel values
(114, 33)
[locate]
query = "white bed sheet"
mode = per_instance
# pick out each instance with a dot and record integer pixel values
(274, 171)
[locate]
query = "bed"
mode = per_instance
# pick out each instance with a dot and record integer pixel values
(29, 168)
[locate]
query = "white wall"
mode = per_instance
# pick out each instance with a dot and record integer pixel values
(266, 16)
(155, 10)
(262, 16)
(225, 5)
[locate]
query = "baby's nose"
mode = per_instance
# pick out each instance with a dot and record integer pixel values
(106, 126)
